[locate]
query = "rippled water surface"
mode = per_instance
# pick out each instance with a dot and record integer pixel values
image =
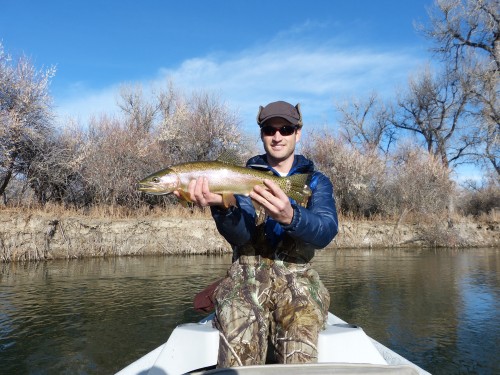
(439, 309)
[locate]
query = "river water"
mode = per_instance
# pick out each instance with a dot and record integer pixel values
(438, 308)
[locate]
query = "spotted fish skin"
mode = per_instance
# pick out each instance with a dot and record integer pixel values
(223, 178)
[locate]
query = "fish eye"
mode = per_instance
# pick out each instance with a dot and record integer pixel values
(156, 179)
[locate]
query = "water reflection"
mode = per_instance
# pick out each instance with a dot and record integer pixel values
(94, 315)
(437, 308)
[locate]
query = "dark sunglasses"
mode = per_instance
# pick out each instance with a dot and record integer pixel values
(284, 130)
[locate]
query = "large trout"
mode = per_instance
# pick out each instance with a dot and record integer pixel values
(224, 178)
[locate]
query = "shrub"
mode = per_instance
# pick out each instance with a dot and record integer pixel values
(480, 198)
(356, 177)
(416, 182)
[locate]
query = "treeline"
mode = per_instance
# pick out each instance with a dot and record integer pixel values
(387, 159)
(99, 163)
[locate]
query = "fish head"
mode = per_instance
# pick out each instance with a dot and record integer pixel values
(159, 183)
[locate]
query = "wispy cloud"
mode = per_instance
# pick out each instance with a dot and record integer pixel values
(84, 103)
(315, 75)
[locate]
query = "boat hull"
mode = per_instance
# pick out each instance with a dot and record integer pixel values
(194, 346)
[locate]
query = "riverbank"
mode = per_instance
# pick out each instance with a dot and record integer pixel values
(40, 235)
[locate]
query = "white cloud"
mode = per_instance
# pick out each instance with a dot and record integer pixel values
(316, 76)
(86, 103)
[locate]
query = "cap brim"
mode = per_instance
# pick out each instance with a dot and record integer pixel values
(290, 119)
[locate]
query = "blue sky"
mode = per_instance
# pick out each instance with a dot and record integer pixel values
(249, 53)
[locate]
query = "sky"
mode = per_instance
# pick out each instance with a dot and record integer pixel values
(248, 53)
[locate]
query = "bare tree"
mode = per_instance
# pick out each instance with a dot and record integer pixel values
(158, 129)
(25, 115)
(213, 127)
(467, 36)
(365, 126)
(198, 127)
(140, 113)
(464, 27)
(434, 108)
(112, 159)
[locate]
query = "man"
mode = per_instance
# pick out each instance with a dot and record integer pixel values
(271, 296)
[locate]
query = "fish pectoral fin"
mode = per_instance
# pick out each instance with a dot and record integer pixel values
(260, 213)
(183, 203)
(184, 198)
(228, 200)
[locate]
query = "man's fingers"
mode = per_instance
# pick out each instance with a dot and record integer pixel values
(198, 191)
(191, 189)
(275, 188)
(268, 199)
(262, 195)
(274, 200)
(204, 187)
(271, 192)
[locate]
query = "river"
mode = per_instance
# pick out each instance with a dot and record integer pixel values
(438, 308)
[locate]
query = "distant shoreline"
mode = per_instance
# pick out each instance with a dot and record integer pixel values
(38, 235)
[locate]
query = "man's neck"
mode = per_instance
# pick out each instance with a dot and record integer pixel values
(281, 166)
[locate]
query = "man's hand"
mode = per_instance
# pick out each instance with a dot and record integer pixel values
(274, 200)
(200, 194)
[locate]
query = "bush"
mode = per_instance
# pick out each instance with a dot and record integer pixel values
(112, 154)
(416, 182)
(480, 198)
(356, 177)
(26, 126)
(367, 184)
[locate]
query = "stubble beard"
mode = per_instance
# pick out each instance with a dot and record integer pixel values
(278, 156)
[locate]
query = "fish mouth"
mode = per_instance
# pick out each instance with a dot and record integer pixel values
(142, 186)
(149, 188)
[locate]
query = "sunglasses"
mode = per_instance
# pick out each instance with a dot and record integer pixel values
(284, 130)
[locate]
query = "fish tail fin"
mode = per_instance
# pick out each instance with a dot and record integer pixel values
(299, 188)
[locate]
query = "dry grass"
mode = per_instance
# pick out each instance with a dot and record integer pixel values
(177, 210)
(114, 211)
(492, 216)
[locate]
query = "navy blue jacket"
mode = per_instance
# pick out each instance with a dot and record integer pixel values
(311, 228)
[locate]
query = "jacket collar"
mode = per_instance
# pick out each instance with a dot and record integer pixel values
(300, 164)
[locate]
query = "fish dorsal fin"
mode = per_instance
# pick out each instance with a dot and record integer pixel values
(230, 156)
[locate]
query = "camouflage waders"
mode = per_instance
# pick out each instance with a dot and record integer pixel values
(265, 298)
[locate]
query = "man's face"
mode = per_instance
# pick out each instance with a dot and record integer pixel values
(279, 147)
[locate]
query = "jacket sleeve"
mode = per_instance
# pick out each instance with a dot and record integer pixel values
(318, 223)
(236, 224)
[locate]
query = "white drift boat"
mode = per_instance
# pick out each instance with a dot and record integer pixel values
(342, 349)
